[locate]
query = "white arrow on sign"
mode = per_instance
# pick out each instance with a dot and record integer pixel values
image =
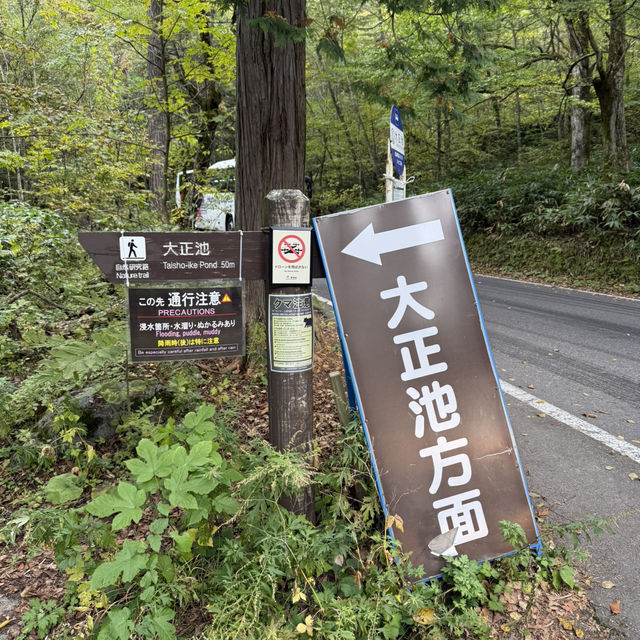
(369, 246)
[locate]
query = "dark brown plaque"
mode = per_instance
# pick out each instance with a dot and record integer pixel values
(180, 323)
(427, 390)
(135, 257)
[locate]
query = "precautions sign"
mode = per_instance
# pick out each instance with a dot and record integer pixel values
(175, 323)
(290, 332)
(428, 395)
(291, 256)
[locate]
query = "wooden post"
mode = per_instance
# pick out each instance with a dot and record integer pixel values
(290, 393)
(340, 397)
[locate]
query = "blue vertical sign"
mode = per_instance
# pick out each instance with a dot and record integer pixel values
(396, 138)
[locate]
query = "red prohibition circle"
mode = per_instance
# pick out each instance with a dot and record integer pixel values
(286, 250)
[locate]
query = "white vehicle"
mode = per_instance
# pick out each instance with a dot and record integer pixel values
(216, 189)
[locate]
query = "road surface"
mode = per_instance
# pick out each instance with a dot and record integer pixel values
(569, 365)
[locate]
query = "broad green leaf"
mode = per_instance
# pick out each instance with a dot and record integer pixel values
(126, 501)
(183, 541)
(567, 575)
(199, 454)
(155, 542)
(194, 420)
(201, 485)
(226, 504)
(178, 486)
(162, 624)
(105, 575)
(118, 625)
(159, 525)
(133, 559)
(63, 488)
(153, 462)
(127, 563)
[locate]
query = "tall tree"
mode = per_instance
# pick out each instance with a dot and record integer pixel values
(608, 75)
(581, 71)
(270, 117)
(159, 118)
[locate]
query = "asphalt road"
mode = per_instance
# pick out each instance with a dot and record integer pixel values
(569, 364)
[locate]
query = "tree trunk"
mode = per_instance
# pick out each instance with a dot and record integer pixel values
(159, 123)
(609, 87)
(581, 91)
(270, 121)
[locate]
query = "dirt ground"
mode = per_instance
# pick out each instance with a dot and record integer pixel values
(549, 616)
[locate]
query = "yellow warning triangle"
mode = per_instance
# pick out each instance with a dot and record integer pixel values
(226, 298)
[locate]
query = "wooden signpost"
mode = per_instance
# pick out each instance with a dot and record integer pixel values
(204, 319)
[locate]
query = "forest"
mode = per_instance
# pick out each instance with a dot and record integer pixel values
(148, 492)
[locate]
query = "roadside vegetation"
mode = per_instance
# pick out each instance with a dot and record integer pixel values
(150, 494)
(142, 501)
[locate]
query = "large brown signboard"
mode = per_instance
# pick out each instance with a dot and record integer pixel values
(427, 391)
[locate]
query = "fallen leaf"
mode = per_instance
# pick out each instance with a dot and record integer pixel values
(425, 616)
(579, 633)
(531, 387)
(608, 468)
(633, 476)
(615, 607)
(631, 421)
(636, 441)
(543, 512)
(620, 437)
(566, 624)
(590, 415)
(298, 595)
(607, 584)
(542, 415)
(339, 560)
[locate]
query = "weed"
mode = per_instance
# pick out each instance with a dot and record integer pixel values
(41, 617)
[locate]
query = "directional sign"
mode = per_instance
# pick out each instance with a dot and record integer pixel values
(130, 258)
(396, 137)
(427, 391)
(369, 246)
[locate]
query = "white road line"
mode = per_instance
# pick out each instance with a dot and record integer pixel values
(631, 451)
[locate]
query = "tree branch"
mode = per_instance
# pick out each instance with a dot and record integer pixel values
(20, 294)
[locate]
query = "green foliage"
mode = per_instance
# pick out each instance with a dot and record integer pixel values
(184, 482)
(41, 617)
(63, 488)
(198, 519)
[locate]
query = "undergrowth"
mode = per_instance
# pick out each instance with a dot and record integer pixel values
(182, 515)
(195, 521)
